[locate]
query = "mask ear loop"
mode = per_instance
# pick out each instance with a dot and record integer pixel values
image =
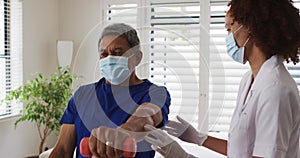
(238, 29)
(128, 61)
(247, 41)
(131, 55)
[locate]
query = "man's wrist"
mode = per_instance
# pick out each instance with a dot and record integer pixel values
(150, 110)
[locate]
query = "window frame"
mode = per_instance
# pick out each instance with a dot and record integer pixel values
(12, 47)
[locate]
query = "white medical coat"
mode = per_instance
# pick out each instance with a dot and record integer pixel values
(266, 122)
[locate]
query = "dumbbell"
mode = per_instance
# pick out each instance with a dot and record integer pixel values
(129, 147)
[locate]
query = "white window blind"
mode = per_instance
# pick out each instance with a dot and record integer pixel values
(10, 52)
(120, 12)
(174, 54)
(225, 74)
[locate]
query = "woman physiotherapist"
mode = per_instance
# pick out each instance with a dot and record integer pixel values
(266, 120)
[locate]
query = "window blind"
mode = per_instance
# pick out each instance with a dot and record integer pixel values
(174, 54)
(10, 52)
(2, 56)
(121, 12)
(225, 74)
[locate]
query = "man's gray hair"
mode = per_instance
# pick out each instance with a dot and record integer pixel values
(123, 30)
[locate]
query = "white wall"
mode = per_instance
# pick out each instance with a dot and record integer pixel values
(79, 20)
(40, 30)
(22, 141)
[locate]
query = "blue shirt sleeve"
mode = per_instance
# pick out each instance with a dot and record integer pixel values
(160, 97)
(70, 113)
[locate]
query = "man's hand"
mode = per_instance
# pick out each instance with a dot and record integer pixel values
(107, 142)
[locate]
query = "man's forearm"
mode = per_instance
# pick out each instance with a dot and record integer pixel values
(56, 153)
(66, 142)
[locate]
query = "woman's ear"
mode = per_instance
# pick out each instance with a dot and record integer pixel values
(248, 30)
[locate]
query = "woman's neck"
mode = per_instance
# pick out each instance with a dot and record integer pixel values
(256, 60)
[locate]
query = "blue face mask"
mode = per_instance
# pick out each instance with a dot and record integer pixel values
(115, 69)
(236, 53)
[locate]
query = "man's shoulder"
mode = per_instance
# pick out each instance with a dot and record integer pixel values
(88, 87)
(153, 86)
(148, 82)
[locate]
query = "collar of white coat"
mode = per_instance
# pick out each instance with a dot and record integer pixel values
(265, 71)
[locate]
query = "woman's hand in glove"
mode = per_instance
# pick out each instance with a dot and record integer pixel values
(185, 131)
(164, 144)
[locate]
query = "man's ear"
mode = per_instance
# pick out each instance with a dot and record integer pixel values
(139, 57)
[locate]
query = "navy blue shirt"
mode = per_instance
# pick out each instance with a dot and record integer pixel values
(101, 104)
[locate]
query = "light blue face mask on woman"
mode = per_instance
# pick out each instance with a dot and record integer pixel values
(115, 69)
(236, 53)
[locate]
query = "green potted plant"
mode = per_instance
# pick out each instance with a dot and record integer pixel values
(44, 101)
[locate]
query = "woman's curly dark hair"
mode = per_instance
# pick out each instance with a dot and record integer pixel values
(274, 25)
